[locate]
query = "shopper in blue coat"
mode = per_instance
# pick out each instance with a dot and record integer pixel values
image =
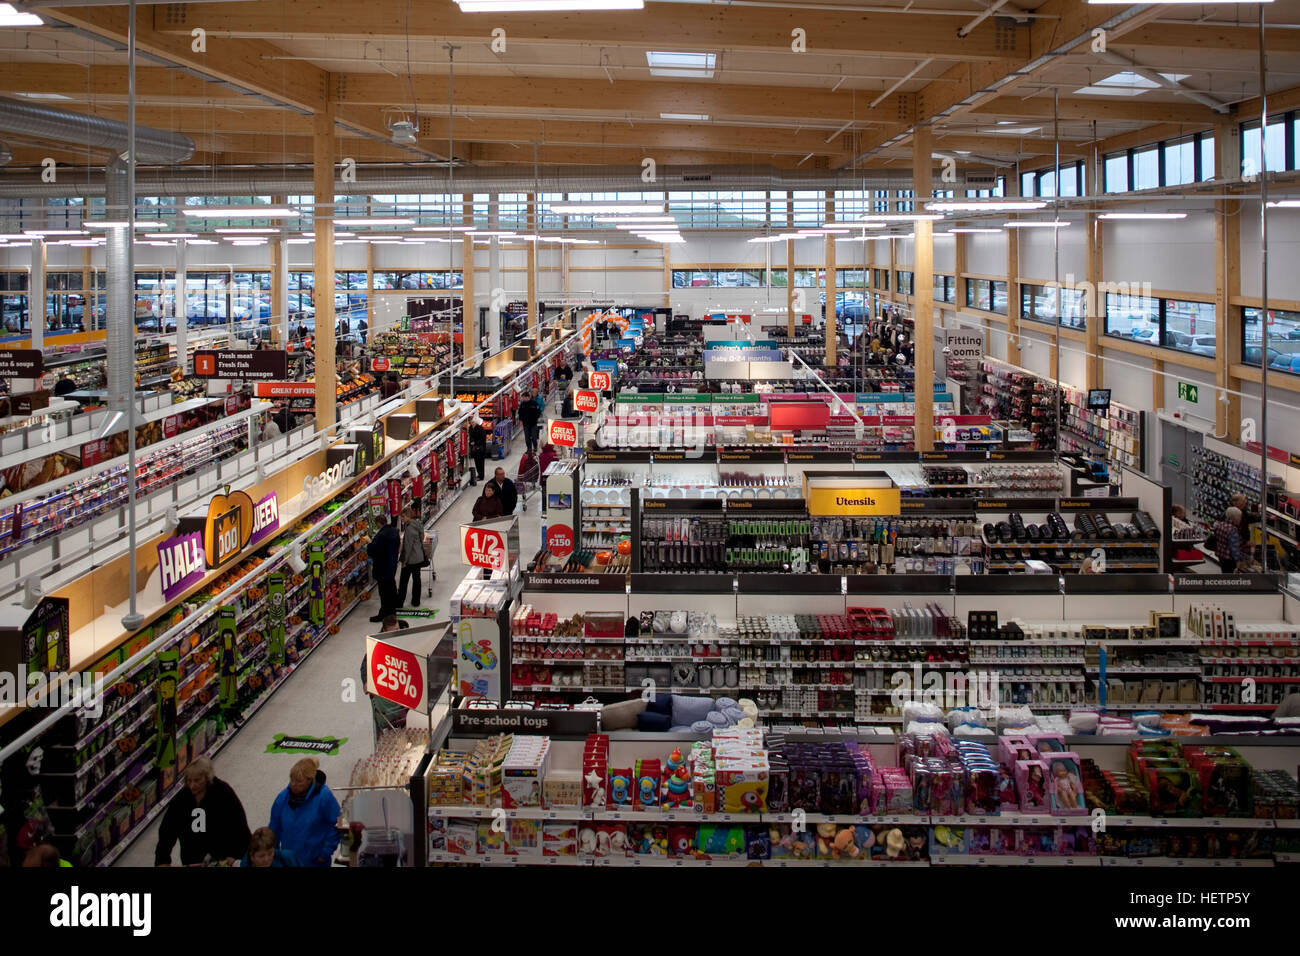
(304, 815)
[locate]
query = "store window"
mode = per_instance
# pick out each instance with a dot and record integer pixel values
(1180, 162)
(851, 278)
(1283, 339)
(998, 295)
(945, 288)
(723, 278)
(1189, 326)
(350, 280)
(979, 294)
(250, 294)
(13, 307)
(880, 279)
(1133, 317)
(154, 294)
(1146, 168)
(1046, 303)
(906, 284)
(1279, 154)
(1116, 173)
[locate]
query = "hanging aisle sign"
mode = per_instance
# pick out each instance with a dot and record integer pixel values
(853, 500)
(600, 381)
(562, 433)
(585, 400)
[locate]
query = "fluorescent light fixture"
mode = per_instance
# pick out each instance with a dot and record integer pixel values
(300, 242)
(634, 218)
(39, 233)
(767, 239)
(1127, 83)
(669, 238)
(545, 6)
(1143, 215)
(15, 236)
(171, 235)
(9, 17)
(121, 224)
(697, 65)
(689, 117)
(1172, 3)
(491, 232)
(900, 217)
(375, 221)
(1032, 224)
(443, 229)
(606, 208)
(246, 231)
(41, 96)
(986, 205)
(972, 230)
(203, 242)
(1285, 204)
(341, 235)
(241, 212)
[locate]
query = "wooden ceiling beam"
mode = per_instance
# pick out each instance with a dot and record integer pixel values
(712, 27)
(1099, 108)
(1205, 37)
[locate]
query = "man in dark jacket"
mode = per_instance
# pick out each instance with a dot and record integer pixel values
(506, 491)
(530, 415)
(383, 550)
(220, 832)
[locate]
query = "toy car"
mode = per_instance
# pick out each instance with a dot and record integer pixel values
(480, 653)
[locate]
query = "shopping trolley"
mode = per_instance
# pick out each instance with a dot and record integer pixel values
(529, 478)
(430, 552)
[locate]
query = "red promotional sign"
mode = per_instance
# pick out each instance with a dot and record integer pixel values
(600, 381)
(559, 540)
(93, 452)
(394, 496)
(464, 442)
(284, 389)
(396, 675)
(171, 426)
(379, 365)
(586, 401)
(563, 434)
(232, 404)
(481, 548)
(417, 487)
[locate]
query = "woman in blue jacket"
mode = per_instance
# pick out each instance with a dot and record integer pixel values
(304, 815)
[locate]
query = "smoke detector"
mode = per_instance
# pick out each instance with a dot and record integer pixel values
(403, 132)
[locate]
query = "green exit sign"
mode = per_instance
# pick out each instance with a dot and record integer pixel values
(1188, 392)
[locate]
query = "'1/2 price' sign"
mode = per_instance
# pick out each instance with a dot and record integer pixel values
(482, 548)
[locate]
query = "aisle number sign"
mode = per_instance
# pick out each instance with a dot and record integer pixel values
(853, 500)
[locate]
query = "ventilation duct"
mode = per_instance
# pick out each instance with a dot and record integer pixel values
(119, 308)
(93, 132)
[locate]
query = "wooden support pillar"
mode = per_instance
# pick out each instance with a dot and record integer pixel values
(958, 271)
(1227, 285)
(891, 280)
(279, 331)
(532, 266)
(922, 292)
(831, 338)
(1094, 305)
(323, 160)
(789, 286)
(88, 291)
(1157, 385)
(668, 272)
(468, 303)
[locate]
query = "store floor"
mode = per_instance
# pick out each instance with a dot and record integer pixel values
(310, 703)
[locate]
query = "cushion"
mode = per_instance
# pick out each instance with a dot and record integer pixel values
(649, 722)
(621, 716)
(662, 704)
(687, 710)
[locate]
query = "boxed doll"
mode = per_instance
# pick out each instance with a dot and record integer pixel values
(1064, 783)
(1031, 784)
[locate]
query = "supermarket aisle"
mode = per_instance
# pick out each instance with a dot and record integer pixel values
(311, 701)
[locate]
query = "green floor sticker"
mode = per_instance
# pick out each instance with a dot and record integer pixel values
(290, 744)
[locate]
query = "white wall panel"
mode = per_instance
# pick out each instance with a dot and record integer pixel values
(986, 254)
(1283, 252)
(1175, 255)
(1038, 253)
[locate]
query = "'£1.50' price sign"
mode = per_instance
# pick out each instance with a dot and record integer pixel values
(482, 548)
(396, 675)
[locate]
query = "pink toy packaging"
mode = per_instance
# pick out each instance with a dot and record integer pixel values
(1031, 784)
(1014, 747)
(1065, 783)
(1047, 743)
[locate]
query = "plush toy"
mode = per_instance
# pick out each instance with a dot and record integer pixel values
(825, 838)
(597, 787)
(844, 845)
(895, 844)
(587, 842)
